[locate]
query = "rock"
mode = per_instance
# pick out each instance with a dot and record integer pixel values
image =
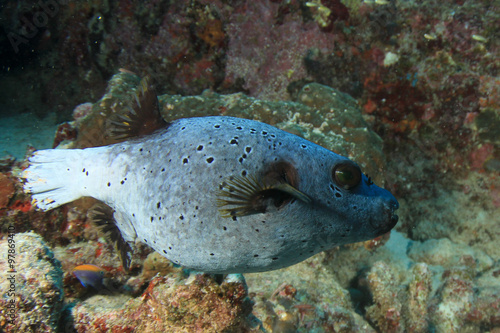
(386, 311)
(32, 295)
(170, 304)
(445, 253)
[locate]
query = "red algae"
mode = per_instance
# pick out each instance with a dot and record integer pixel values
(7, 190)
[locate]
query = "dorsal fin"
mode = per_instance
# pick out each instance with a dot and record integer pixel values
(102, 216)
(142, 117)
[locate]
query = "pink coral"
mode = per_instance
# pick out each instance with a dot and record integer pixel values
(268, 56)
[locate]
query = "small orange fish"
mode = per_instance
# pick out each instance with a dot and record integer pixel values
(89, 275)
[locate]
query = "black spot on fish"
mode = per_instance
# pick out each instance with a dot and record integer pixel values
(210, 160)
(162, 170)
(255, 255)
(275, 258)
(212, 254)
(181, 217)
(183, 128)
(234, 218)
(257, 230)
(109, 184)
(145, 240)
(86, 173)
(217, 126)
(164, 251)
(158, 205)
(264, 133)
(244, 173)
(83, 170)
(234, 141)
(239, 128)
(185, 161)
(303, 146)
(123, 181)
(152, 218)
(141, 149)
(273, 136)
(199, 148)
(225, 228)
(248, 149)
(240, 159)
(170, 248)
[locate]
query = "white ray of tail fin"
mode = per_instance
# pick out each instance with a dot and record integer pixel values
(53, 176)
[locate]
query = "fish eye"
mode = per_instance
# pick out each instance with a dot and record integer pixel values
(347, 175)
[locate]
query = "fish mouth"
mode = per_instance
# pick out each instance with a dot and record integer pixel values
(388, 218)
(393, 221)
(388, 224)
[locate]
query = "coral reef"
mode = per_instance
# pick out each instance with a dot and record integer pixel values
(32, 290)
(386, 310)
(170, 303)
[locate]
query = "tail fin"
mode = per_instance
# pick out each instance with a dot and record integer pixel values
(50, 177)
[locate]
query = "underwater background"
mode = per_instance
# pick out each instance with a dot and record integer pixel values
(407, 89)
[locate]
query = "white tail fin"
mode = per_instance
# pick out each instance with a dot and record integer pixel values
(50, 178)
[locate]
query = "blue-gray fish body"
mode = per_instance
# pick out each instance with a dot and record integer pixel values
(220, 194)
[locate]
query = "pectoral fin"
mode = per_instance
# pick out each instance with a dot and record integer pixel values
(240, 196)
(102, 216)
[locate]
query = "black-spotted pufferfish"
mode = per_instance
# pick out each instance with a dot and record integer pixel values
(215, 194)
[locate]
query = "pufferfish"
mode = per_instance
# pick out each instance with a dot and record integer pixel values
(214, 194)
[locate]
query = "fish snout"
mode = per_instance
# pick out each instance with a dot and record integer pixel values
(386, 219)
